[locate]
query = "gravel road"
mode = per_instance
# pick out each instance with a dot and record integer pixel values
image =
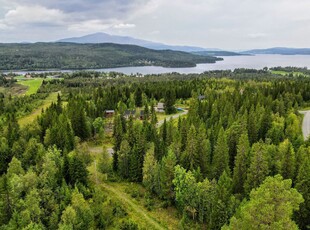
(306, 124)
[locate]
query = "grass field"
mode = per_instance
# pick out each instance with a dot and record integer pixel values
(32, 84)
(32, 116)
(284, 73)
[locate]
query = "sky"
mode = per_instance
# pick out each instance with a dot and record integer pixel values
(225, 24)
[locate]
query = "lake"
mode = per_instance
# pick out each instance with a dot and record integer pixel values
(229, 63)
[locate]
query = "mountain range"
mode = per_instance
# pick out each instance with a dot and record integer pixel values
(126, 40)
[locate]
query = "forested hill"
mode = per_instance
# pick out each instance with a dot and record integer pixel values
(41, 56)
(280, 50)
(218, 53)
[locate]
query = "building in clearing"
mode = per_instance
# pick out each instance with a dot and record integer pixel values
(141, 115)
(109, 113)
(160, 107)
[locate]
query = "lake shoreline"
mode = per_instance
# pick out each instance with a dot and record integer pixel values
(229, 63)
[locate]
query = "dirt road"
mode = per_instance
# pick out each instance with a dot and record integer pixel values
(306, 124)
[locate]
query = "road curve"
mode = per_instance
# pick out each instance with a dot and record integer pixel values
(306, 124)
(160, 123)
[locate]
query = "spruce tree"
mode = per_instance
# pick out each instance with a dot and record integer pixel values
(303, 186)
(259, 167)
(190, 155)
(242, 162)
(220, 161)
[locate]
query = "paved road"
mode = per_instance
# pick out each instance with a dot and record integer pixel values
(306, 124)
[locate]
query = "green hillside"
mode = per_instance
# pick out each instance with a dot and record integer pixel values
(41, 56)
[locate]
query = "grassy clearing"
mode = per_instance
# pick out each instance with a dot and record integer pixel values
(32, 116)
(284, 73)
(32, 84)
(131, 197)
(14, 90)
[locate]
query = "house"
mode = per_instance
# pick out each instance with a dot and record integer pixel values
(109, 113)
(141, 114)
(129, 113)
(27, 75)
(201, 97)
(160, 108)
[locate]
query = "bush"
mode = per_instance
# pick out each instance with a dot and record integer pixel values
(128, 224)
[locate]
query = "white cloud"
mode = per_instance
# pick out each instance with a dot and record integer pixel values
(257, 35)
(227, 24)
(90, 26)
(124, 26)
(32, 15)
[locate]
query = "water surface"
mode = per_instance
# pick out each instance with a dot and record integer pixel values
(229, 63)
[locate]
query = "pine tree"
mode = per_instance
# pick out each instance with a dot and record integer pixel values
(5, 155)
(166, 176)
(124, 159)
(303, 186)
(259, 168)
(287, 160)
(190, 155)
(242, 163)
(223, 202)
(220, 161)
(252, 126)
(149, 170)
(169, 101)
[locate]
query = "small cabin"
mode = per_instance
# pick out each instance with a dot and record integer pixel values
(201, 97)
(141, 115)
(129, 113)
(109, 113)
(160, 107)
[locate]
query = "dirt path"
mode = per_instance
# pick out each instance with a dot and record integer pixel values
(306, 124)
(160, 123)
(32, 116)
(137, 209)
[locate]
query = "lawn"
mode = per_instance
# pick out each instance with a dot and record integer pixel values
(32, 84)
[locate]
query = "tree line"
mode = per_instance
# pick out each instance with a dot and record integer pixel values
(237, 160)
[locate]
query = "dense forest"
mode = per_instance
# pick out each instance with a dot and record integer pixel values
(236, 160)
(42, 56)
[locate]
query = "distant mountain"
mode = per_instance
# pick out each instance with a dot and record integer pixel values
(107, 38)
(46, 56)
(218, 53)
(280, 50)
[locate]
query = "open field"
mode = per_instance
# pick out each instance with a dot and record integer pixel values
(32, 116)
(284, 73)
(14, 90)
(32, 84)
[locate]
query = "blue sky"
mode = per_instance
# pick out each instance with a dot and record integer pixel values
(226, 24)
